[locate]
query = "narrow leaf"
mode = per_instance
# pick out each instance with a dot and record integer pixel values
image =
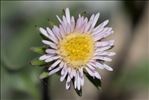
(39, 50)
(96, 82)
(37, 62)
(43, 75)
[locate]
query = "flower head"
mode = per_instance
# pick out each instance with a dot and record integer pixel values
(77, 46)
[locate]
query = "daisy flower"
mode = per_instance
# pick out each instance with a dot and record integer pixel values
(76, 47)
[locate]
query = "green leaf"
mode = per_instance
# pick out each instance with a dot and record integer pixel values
(37, 62)
(96, 82)
(39, 50)
(43, 75)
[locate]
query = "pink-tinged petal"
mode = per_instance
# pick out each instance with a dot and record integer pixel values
(52, 36)
(62, 31)
(51, 51)
(85, 22)
(95, 20)
(87, 27)
(67, 12)
(107, 67)
(52, 45)
(68, 29)
(54, 70)
(54, 64)
(100, 30)
(43, 57)
(43, 32)
(78, 24)
(56, 32)
(106, 32)
(52, 58)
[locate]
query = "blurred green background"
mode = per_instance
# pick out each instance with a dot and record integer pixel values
(20, 80)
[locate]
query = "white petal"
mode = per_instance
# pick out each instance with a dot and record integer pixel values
(55, 29)
(103, 48)
(104, 23)
(104, 33)
(54, 70)
(101, 25)
(106, 53)
(51, 51)
(78, 24)
(43, 57)
(105, 43)
(107, 67)
(97, 75)
(99, 65)
(44, 32)
(52, 58)
(53, 38)
(68, 29)
(67, 15)
(73, 73)
(59, 18)
(52, 45)
(64, 20)
(62, 31)
(78, 81)
(91, 18)
(95, 20)
(75, 81)
(64, 75)
(89, 71)
(63, 70)
(61, 64)
(72, 24)
(54, 64)
(81, 76)
(102, 58)
(90, 66)
(87, 27)
(68, 82)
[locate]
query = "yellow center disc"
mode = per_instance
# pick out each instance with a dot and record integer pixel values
(77, 49)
